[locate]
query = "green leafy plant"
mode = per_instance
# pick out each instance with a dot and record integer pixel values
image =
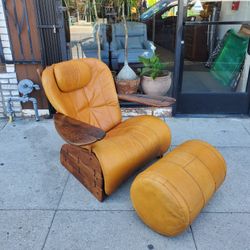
(153, 67)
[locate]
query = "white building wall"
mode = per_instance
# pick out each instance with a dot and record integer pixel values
(8, 79)
(227, 14)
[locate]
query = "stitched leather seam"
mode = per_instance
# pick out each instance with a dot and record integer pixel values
(215, 184)
(202, 194)
(152, 130)
(176, 189)
(174, 196)
(155, 173)
(93, 114)
(184, 168)
(197, 157)
(211, 149)
(222, 160)
(107, 105)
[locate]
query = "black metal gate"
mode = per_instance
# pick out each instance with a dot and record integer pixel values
(39, 36)
(51, 25)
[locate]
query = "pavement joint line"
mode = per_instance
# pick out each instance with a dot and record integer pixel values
(2, 127)
(49, 230)
(232, 146)
(69, 210)
(54, 215)
(96, 210)
(193, 237)
(216, 146)
(245, 129)
(106, 210)
(237, 212)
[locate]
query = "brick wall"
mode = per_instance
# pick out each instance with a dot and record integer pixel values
(8, 79)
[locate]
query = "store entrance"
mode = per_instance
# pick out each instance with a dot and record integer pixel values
(212, 57)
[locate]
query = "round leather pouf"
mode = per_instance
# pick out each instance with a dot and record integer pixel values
(169, 195)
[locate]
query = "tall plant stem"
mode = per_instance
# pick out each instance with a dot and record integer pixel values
(126, 35)
(97, 31)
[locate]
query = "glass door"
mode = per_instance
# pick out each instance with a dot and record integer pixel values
(212, 50)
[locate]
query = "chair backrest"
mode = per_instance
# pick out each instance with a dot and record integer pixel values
(83, 89)
(137, 32)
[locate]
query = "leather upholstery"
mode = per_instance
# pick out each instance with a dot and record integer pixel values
(72, 78)
(169, 195)
(127, 145)
(96, 103)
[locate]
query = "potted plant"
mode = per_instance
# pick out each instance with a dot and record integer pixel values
(155, 79)
(127, 82)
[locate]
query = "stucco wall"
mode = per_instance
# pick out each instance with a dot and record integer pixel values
(227, 14)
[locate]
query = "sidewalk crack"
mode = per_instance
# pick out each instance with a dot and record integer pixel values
(193, 237)
(245, 129)
(3, 126)
(54, 215)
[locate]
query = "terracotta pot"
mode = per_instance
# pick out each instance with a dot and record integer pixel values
(158, 86)
(127, 86)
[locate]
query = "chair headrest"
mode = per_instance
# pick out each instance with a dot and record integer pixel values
(72, 75)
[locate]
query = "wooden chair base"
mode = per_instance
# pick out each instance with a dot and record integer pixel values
(85, 167)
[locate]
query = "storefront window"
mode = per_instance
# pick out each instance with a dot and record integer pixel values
(215, 55)
(216, 58)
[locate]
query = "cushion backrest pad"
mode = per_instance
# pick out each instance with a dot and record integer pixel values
(84, 90)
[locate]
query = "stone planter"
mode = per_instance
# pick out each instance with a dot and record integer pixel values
(159, 86)
(127, 86)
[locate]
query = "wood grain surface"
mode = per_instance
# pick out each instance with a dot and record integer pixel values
(76, 132)
(154, 101)
(85, 167)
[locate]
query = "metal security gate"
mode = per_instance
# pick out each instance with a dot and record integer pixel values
(25, 43)
(37, 37)
(51, 24)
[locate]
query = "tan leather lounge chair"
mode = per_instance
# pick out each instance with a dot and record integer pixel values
(102, 151)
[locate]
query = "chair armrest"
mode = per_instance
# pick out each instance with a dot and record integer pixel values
(76, 132)
(76, 42)
(89, 45)
(154, 101)
(149, 45)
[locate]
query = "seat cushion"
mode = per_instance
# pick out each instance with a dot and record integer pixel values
(130, 145)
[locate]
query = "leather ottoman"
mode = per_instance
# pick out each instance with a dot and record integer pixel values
(169, 195)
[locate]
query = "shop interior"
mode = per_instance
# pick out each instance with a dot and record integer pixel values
(216, 58)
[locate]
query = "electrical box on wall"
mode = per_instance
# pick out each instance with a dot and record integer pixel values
(235, 5)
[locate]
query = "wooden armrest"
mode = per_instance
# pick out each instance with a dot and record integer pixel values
(76, 132)
(155, 101)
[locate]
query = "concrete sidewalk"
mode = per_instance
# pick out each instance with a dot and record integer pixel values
(43, 207)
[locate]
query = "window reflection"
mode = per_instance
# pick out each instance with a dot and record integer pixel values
(216, 58)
